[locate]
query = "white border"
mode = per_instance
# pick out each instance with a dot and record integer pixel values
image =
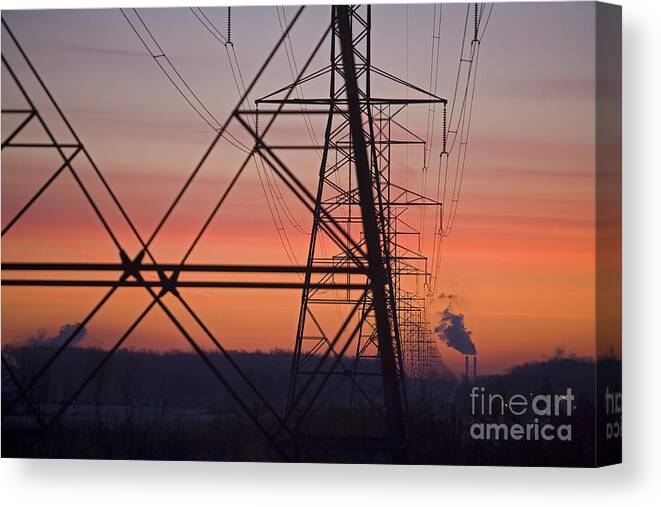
(637, 482)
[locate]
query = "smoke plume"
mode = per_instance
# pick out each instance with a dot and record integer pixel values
(453, 332)
(63, 335)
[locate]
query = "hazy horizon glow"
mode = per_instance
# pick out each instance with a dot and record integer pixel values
(521, 256)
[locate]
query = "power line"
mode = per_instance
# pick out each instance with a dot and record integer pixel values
(460, 133)
(431, 110)
(267, 180)
(176, 79)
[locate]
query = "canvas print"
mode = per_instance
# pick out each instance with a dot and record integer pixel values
(347, 234)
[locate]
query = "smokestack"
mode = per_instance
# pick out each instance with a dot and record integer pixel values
(467, 369)
(474, 368)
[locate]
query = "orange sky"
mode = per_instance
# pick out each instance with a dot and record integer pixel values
(520, 257)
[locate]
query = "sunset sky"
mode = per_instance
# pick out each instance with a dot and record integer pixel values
(521, 255)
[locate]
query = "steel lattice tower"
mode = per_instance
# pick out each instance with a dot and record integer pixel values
(322, 369)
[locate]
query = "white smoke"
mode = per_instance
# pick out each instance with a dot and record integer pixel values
(67, 330)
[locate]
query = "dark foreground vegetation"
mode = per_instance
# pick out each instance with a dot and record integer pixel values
(145, 405)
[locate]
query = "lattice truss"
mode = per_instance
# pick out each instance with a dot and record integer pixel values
(361, 331)
(317, 338)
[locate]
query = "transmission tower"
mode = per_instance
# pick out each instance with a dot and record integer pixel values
(357, 351)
